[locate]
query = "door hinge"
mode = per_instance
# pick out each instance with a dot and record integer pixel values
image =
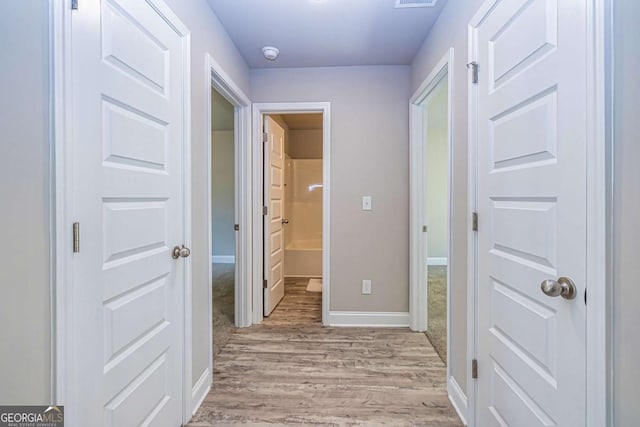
(424, 228)
(474, 221)
(74, 4)
(76, 237)
(265, 137)
(264, 211)
(265, 283)
(474, 369)
(473, 66)
(236, 227)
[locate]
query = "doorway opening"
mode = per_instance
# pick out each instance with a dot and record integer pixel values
(223, 220)
(228, 221)
(431, 222)
(291, 243)
(293, 187)
(436, 132)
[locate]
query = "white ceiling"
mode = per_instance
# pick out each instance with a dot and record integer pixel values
(323, 33)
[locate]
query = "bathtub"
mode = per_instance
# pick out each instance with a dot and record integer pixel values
(303, 258)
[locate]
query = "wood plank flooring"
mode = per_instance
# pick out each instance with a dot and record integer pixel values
(293, 371)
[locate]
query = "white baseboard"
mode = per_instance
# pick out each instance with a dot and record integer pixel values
(458, 399)
(437, 261)
(223, 259)
(369, 319)
(200, 390)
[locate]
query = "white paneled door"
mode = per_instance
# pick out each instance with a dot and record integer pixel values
(129, 189)
(532, 224)
(274, 201)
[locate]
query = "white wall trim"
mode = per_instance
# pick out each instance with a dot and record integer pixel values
(216, 78)
(259, 110)
(223, 259)
(437, 261)
(368, 319)
(61, 102)
(417, 155)
(458, 399)
(200, 390)
(418, 304)
(598, 300)
(472, 206)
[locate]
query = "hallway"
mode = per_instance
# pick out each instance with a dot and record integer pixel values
(290, 371)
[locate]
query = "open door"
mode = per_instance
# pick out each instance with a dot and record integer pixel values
(274, 202)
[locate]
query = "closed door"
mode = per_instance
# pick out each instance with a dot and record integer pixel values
(532, 221)
(128, 144)
(274, 201)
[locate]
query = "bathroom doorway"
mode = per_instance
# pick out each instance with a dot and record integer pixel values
(293, 196)
(294, 224)
(223, 233)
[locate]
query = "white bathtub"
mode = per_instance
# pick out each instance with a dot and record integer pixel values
(303, 258)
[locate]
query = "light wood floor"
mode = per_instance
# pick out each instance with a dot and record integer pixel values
(292, 371)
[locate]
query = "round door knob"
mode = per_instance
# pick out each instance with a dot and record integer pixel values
(563, 287)
(180, 251)
(285, 221)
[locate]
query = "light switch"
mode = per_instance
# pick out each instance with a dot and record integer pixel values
(366, 287)
(366, 203)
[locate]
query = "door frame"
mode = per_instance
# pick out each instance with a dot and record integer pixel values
(418, 306)
(216, 78)
(597, 346)
(62, 201)
(259, 111)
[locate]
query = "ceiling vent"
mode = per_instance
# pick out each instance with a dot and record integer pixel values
(400, 4)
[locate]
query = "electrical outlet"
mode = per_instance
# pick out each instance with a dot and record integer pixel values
(366, 203)
(366, 287)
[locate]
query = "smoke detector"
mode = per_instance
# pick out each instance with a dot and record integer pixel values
(400, 4)
(270, 53)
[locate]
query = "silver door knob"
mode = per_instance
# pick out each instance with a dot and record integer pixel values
(563, 287)
(180, 251)
(285, 221)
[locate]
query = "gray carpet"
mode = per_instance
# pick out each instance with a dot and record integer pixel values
(223, 304)
(437, 309)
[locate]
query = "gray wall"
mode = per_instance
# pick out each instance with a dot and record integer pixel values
(222, 176)
(369, 156)
(451, 31)
(25, 316)
(435, 110)
(222, 193)
(626, 233)
(222, 112)
(207, 36)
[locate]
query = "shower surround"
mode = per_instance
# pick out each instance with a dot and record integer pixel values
(303, 208)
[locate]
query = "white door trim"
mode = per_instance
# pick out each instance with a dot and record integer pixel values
(597, 346)
(63, 205)
(418, 304)
(218, 79)
(418, 283)
(259, 110)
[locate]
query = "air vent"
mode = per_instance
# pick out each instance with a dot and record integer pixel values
(400, 4)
